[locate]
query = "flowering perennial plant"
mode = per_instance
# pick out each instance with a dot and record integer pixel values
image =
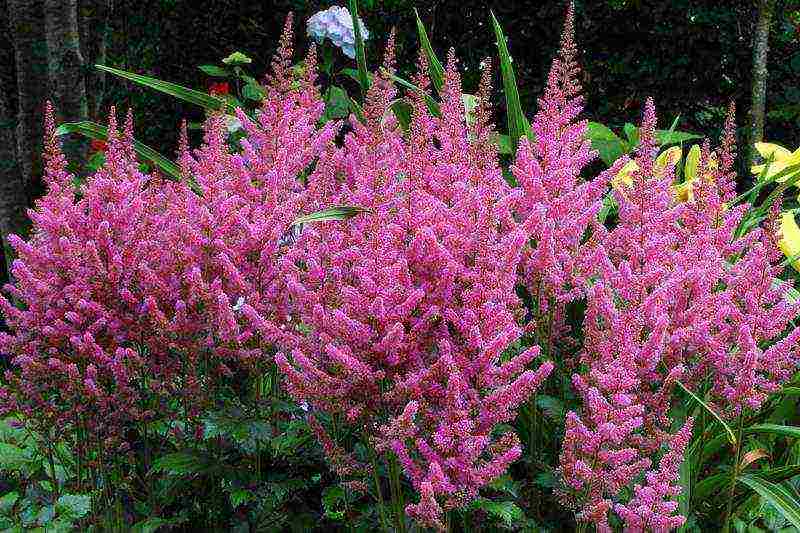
(548, 173)
(678, 296)
(410, 307)
(399, 330)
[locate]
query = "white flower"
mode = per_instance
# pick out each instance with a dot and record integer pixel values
(336, 24)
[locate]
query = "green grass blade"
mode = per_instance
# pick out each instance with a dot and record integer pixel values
(775, 429)
(777, 495)
(92, 130)
(728, 430)
(436, 70)
(361, 58)
(201, 99)
(338, 212)
(517, 123)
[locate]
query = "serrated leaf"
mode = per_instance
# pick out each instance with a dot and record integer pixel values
(506, 512)
(339, 212)
(191, 96)
(74, 506)
(776, 494)
(214, 70)
(180, 463)
(552, 407)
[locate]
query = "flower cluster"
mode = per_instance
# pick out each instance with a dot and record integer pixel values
(336, 24)
(678, 295)
(548, 173)
(410, 307)
(140, 290)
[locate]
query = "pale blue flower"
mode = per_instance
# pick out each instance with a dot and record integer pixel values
(336, 24)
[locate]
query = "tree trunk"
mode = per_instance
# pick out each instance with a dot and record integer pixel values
(66, 69)
(30, 55)
(13, 198)
(766, 9)
(93, 16)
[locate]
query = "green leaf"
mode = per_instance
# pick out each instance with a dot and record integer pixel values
(7, 502)
(214, 70)
(74, 506)
(685, 497)
(239, 497)
(337, 103)
(201, 99)
(709, 486)
(608, 145)
(402, 110)
(517, 123)
(339, 212)
(665, 137)
(777, 495)
(361, 59)
(333, 499)
(435, 68)
(181, 463)
(632, 133)
(507, 512)
(504, 144)
(92, 130)
(12, 457)
(237, 58)
(775, 429)
(253, 91)
(552, 407)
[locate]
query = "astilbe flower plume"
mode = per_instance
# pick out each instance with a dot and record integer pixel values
(548, 172)
(141, 291)
(678, 295)
(627, 387)
(409, 307)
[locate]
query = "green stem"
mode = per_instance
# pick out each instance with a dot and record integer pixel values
(379, 493)
(397, 494)
(736, 472)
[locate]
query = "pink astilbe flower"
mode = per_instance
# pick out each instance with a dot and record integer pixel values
(653, 506)
(141, 288)
(548, 172)
(679, 295)
(627, 388)
(409, 307)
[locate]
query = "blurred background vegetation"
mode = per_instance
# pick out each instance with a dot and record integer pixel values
(691, 55)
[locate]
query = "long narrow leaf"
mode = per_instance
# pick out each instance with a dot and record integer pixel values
(361, 58)
(775, 429)
(728, 430)
(517, 123)
(435, 68)
(433, 105)
(92, 130)
(339, 212)
(201, 99)
(780, 498)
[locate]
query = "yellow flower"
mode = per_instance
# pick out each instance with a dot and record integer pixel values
(669, 157)
(790, 238)
(683, 191)
(779, 159)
